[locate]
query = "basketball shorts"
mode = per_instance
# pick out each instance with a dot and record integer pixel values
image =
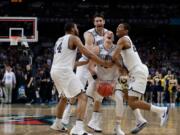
(83, 73)
(66, 82)
(138, 80)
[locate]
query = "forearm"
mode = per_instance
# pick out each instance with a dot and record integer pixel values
(30, 81)
(81, 63)
(91, 67)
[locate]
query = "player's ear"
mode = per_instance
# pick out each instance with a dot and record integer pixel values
(104, 22)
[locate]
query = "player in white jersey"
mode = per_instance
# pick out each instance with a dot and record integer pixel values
(67, 84)
(93, 37)
(138, 73)
(108, 76)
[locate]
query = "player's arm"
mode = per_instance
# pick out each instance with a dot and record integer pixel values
(89, 40)
(30, 82)
(77, 42)
(176, 82)
(122, 43)
(92, 64)
(81, 63)
(123, 71)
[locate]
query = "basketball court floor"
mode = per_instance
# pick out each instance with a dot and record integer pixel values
(36, 120)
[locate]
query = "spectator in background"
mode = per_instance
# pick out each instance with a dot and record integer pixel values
(149, 89)
(9, 81)
(45, 86)
(178, 91)
(172, 89)
(20, 87)
(30, 92)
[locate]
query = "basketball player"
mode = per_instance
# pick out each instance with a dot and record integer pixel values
(110, 76)
(138, 73)
(93, 37)
(67, 84)
(103, 75)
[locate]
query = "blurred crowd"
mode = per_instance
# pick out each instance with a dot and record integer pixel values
(32, 83)
(155, 29)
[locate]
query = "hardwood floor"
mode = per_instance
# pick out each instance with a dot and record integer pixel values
(36, 120)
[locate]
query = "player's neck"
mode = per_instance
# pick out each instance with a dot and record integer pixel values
(100, 31)
(69, 33)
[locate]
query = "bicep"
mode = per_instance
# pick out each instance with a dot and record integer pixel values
(121, 44)
(89, 40)
(117, 51)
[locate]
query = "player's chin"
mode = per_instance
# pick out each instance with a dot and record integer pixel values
(117, 34)
(100, 26)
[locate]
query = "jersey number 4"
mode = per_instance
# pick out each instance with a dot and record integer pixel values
(58, 46)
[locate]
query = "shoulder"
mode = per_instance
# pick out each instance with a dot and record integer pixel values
(123, 40)
(105, 30)
(88, 34)
(73, 38)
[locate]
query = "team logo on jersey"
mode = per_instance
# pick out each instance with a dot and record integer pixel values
(26, 119)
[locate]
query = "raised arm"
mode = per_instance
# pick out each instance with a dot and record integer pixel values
(89, 40)
(81, 63)
(122, 43)
(92, 64)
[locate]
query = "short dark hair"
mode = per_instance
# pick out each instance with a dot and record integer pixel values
(68, 26)
(126, 26)
(98, 15)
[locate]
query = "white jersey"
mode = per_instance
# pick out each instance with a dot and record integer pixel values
(104, 73)
(9, 78)
(64, 58)
(130, 56)
(98, 39)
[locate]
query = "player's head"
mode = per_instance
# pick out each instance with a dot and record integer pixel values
(109, 37)
(71, 28)
(98, 21)
(122, 29)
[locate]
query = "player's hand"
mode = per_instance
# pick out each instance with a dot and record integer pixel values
(123, 80)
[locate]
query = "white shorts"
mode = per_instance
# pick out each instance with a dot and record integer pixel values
(138, 79)
(83, 73)
(67, 82)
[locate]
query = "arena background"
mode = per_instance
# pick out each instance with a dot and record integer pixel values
(155, 28)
